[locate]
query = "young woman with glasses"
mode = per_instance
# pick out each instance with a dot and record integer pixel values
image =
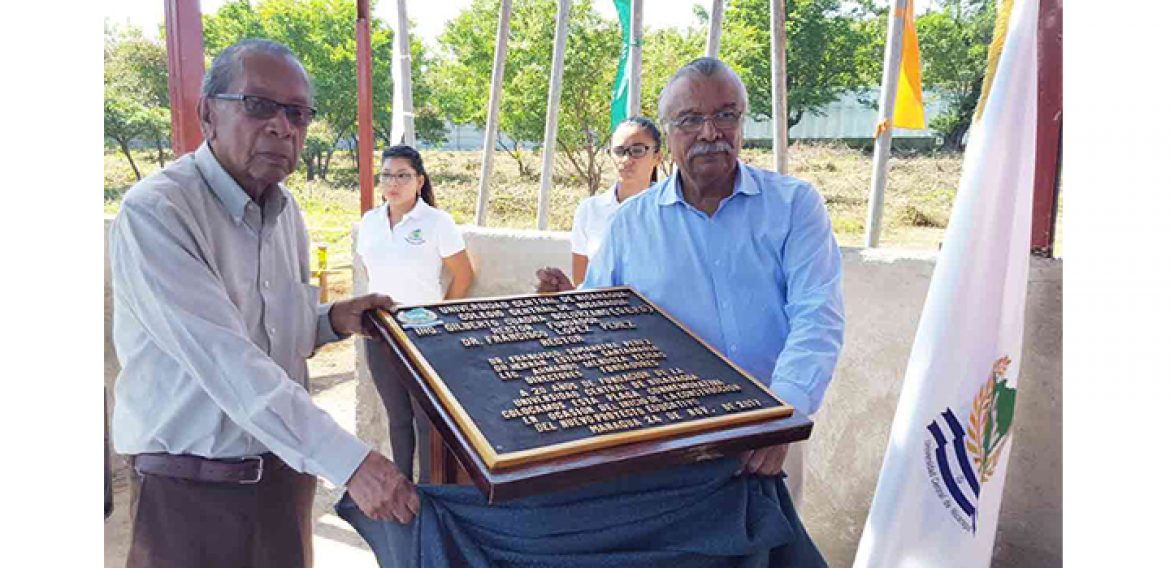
(404, 245)
(636, 151)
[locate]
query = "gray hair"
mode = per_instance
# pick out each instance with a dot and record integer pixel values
(228, 65)
(705, 67)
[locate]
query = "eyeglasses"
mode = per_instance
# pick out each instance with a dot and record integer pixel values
(634, 150)
(396, 179)
(723, 119)
(261, 108)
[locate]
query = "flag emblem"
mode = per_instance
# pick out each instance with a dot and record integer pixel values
(418, 317)
(959, 461)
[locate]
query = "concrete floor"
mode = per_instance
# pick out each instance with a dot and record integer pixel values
(335, 543)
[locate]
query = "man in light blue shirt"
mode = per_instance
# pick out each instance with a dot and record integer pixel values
(744, 257)
(747, 260)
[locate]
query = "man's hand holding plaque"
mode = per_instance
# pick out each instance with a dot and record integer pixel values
(551, 280)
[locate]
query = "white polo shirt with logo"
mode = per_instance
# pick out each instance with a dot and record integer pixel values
(405, 262)
(591, 222)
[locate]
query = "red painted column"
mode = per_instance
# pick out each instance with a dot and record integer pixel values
(365, 103)
(1049, 122)
(184, 72)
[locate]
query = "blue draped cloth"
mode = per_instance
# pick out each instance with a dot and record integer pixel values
(694, 515)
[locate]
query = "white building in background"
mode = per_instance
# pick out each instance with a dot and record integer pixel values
(845, 119)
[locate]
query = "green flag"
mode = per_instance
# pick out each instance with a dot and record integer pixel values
(621, 83)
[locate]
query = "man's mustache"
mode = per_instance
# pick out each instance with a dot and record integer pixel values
(703, 148)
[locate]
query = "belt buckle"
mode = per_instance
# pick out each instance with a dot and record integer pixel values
(259, 469)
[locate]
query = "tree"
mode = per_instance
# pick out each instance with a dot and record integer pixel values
(953, 42)
(834, 48)
(135, 94)
(321, 34)
(663, 52)
(463, 79)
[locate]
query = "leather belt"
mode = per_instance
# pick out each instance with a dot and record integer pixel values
(246, 470)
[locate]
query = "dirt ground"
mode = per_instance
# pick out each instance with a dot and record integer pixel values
(333, 387)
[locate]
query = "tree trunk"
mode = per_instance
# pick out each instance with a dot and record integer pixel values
(517, 154)
(794, 120)
(126, 151)
(353, 150)
(162, 156)
(594, 171)
(310, 171)
(953, 140)
(333, 148)
(568, 155)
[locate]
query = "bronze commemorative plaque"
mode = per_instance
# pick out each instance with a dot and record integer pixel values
(534, 393)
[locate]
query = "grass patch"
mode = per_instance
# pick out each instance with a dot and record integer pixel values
(918, 197)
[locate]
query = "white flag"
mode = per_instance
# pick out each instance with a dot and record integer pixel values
(938, 496)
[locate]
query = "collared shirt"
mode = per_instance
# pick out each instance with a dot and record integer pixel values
(405, 262)
(591, 222)
(214, 317)
(760, 279)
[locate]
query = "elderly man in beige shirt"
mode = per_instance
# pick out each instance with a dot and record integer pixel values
(213, 320)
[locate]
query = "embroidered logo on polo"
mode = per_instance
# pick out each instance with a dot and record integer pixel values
(415, 237)
(960, 461)
(418, 317)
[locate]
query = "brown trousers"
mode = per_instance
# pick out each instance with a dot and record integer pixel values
(180, 523)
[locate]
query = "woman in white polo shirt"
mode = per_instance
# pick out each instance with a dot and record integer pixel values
(635, 148)
(404, 245)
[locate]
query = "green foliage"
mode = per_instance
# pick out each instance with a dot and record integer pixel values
(321, 34)
(428, 118)
(464, 68)
(135, 101)
(833, 48)
(953, 42)
(663, 52)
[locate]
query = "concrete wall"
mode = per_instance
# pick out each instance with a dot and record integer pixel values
(884, 292)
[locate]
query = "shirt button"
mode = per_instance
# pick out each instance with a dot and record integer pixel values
(265, 283)
(272, 330)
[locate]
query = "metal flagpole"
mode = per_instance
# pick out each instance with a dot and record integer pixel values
(715, 28)
(779, 89)
(634, 100)
(493, 114)
(402, 127)
(550, 122)
(881, 147)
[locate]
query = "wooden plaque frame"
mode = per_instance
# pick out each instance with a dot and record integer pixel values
(517, 474)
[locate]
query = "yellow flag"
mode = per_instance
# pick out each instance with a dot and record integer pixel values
(908, 109)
